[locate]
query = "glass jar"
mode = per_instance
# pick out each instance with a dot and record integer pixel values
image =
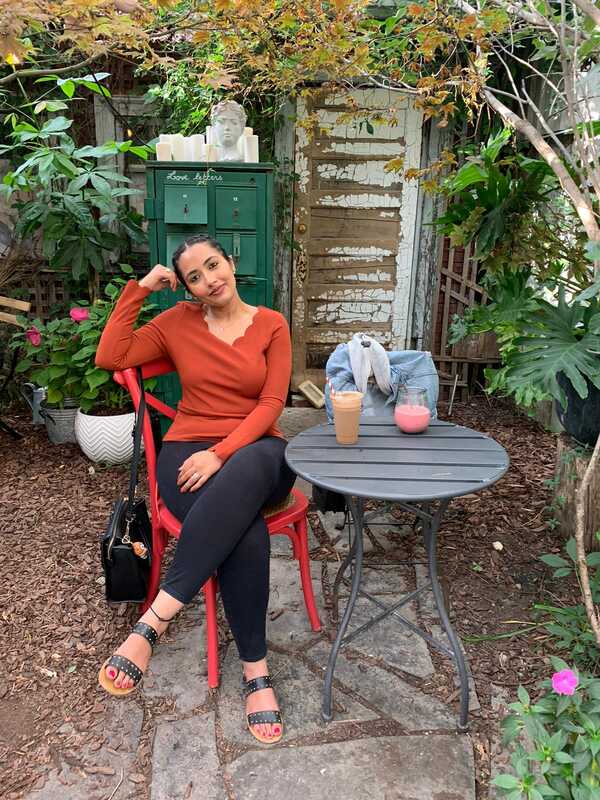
(412, 413)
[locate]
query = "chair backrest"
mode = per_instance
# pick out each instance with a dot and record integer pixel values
(13, 305)
(129, 380)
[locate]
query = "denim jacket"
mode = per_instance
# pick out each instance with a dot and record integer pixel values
(409, 368)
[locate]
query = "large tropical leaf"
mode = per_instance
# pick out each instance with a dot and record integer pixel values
(563, 338)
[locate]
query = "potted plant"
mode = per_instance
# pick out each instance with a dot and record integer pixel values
(105, 419)
(48, 351)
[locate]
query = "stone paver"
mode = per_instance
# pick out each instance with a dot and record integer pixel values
(299, 694)
(389, 640)
(185, 765)
(93, 776)
(413, 709)
(386, 768)
(287, 621)
(178, 667)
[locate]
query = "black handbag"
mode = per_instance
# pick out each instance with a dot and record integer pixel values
(126, 545)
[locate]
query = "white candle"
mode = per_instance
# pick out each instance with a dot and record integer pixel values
(178, 147)
(251, 149)
(197, 147)
(210, 152)
(248, 131)
(164, 137)
(163, 151)
(209, 135)
(188, 149)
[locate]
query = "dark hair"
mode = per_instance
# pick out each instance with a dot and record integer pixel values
(200, 238)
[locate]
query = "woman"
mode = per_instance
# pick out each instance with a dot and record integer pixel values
(221, 461)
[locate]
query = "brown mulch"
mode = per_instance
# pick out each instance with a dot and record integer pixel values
(56, 628)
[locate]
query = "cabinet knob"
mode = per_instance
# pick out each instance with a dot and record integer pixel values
(301, 228)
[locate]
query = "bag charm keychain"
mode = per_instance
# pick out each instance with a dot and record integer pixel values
(140, 549)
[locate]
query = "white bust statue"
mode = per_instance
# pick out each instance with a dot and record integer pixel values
(228, 120)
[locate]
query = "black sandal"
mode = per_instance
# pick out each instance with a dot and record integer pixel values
(125, 665)
(260, 717)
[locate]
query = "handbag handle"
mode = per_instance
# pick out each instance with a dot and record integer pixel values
(137, 446)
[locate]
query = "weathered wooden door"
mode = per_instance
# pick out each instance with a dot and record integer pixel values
(354, 227)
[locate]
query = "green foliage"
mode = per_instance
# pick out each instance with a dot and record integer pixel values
(73, 200)
(513, 302)
(569, 626)
(510, 205)
(64, 361)
(555, 743)
(562, 338)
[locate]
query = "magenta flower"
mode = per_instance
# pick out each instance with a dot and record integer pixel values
(564, 682)
(34, 336)
(79, 314)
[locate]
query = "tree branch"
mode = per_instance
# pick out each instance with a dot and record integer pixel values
(582, 566)
(590, 9)
(585, 213)
(39, 73)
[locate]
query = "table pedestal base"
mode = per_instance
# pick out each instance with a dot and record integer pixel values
(431, 522)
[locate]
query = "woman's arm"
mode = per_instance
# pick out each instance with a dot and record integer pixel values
(271, 400)
(120, 345)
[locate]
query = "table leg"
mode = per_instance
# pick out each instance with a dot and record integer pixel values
(355, 505)
(431, 524)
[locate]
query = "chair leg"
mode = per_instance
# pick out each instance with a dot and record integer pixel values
(212, 635)
(153, 583)
(305, 576)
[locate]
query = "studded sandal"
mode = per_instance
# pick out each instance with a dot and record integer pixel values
(125, 665)
(260, 717)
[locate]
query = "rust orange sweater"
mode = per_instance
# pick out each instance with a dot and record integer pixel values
(231, 393)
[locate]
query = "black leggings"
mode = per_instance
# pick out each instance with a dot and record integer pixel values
(223, 531)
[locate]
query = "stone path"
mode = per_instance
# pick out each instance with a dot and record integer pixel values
(391, 738)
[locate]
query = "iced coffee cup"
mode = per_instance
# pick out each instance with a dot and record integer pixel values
(346, 415)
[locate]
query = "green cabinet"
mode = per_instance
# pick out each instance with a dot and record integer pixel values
(231, 202)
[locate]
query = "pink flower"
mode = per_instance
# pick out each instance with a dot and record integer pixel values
(34, 336)
(79, 314)
(564, 682)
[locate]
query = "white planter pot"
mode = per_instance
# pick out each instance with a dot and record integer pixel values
(106, 440)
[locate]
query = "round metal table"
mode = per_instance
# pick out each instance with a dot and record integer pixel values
(419, 473)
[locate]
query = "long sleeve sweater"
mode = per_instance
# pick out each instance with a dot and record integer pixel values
(231, 393)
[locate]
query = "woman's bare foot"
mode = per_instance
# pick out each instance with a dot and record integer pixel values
(262, 700)
(135, 647)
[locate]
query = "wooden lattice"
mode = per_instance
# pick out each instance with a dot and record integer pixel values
(47, 292)
(458, 290)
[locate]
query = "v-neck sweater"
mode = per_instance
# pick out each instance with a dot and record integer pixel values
(231, 393)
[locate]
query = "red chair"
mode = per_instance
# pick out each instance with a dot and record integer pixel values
(289, 519)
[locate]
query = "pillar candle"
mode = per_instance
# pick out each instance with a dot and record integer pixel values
(163, 151)
(164, 137)
(197, 147)
(178, 147)
(251, 149)
(188, 149)
(210, 152)
(209, 135)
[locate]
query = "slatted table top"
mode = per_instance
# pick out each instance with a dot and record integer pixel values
(385, 464)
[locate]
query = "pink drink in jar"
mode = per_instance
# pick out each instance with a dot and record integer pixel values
(412, 413)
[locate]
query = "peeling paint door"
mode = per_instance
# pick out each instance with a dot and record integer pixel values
(354, 227)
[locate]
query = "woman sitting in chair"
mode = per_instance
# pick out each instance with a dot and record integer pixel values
(221, 461)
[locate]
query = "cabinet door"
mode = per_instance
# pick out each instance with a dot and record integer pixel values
(186, 205)
(236, 207)
(242, 248)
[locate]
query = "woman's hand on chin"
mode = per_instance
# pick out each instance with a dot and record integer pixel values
(197, 469)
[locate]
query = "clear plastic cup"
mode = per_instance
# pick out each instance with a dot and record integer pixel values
(346, 415)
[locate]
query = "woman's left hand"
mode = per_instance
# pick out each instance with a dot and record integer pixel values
(197, 469)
